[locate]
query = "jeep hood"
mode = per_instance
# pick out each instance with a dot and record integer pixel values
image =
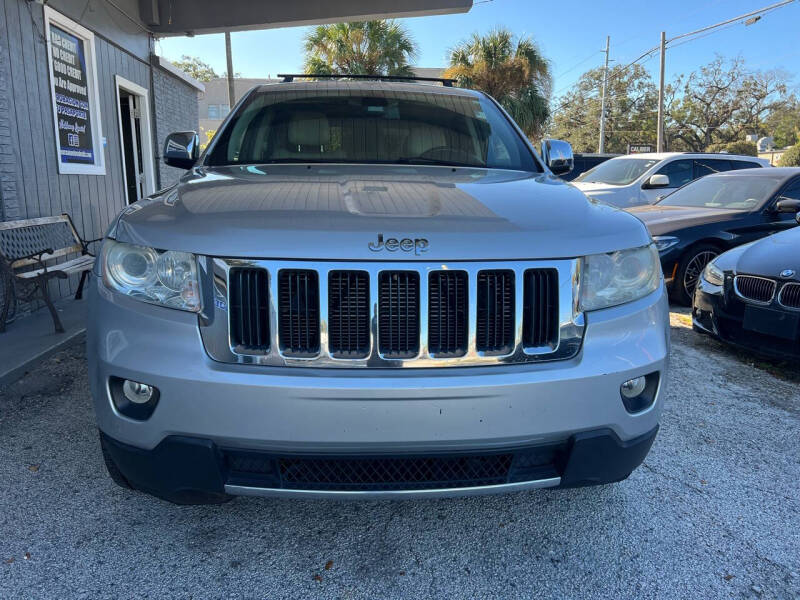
(335, 212)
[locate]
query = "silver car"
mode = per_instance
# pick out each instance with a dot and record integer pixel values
(373, 289)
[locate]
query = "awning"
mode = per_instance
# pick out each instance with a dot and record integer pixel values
(182, 17)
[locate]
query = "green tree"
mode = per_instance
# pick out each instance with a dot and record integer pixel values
(631, 102)
(720, 103)
(790, 158)
(742, 147)
(783, 123)
(193, 66)
(363, 48)
(510, 69)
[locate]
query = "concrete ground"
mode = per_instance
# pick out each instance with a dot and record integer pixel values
(713, 512)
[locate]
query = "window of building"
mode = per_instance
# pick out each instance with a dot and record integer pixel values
(74, 94)
(224, 109)
(213, 111)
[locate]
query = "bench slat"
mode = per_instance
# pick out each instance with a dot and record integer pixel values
(60, 252)
(76, 265)
(29, 222)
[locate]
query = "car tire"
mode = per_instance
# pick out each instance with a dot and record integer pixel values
(691, 266)
(113, 471)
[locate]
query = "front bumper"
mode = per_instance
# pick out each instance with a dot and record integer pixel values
(289, 411)
(719, 312)
(189, 470)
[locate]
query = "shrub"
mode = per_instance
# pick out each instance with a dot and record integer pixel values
(743, 148)
(790, 158)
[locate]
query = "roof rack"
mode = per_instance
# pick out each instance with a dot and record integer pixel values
(289, 77)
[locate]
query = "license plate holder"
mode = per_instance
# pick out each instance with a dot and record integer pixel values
(768, 321)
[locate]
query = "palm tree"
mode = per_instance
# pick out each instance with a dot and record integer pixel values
(513, 71)
(362, 48)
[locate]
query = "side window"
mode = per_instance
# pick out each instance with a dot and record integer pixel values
(744, 164)
(708, 166)
(680, 172)
(792, 191)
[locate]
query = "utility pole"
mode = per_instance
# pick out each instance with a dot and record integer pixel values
(602, 146)
(229, 57)
(747, 18)
(660, 132)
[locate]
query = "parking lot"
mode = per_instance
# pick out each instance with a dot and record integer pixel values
(712, 512)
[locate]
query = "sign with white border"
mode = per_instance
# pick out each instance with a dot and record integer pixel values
(75, 96)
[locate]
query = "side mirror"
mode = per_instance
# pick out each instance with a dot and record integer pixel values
(557, 155)
(787, 205)
(181, 149)
(657, 181)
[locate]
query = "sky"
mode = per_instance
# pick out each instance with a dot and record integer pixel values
(572, 39)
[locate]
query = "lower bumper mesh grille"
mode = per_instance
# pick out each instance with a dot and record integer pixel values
(378, 473)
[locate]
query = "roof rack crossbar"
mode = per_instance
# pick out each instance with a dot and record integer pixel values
(289, 77)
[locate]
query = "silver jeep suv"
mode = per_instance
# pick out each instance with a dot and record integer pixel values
(373, 289)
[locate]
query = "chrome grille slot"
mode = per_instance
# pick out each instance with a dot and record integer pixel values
(298, 312)
(249, 310)
(495, 323)
(756, 289)
(789, 295)
(540, 316)
(447, 313)
(398, 314)
(348, 314)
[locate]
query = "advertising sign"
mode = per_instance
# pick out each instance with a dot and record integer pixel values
(73, 85)
(71, 98)
(640, 148)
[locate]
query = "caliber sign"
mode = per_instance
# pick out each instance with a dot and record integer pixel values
(71, 90)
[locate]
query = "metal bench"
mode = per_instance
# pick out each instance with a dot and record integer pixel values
(26, 248)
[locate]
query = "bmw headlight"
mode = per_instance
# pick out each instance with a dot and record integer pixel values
(619, 277)
(713, 274)
(168, 278)
(665, 242)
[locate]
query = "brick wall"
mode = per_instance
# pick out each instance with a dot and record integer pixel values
(176, 110)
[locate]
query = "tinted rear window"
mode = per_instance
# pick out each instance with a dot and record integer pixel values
(357, 125)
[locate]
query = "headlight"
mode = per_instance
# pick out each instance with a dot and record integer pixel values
(166, 278)
(665, 242)
(713, 274)
(619, 277)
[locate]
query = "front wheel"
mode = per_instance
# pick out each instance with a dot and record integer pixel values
(690, 268)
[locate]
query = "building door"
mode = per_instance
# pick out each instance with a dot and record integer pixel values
(136, 144)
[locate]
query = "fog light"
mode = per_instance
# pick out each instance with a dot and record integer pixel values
(133, 399)
(138, 393)
(633, 387)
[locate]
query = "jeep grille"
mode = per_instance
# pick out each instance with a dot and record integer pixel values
(393, 314)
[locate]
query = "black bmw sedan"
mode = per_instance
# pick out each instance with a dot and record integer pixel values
(750, 296)
(713, 214)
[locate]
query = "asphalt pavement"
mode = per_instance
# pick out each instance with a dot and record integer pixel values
(713, 512)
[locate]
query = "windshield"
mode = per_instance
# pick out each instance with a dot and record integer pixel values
(730, 192)
(618, 171)
(346, 124)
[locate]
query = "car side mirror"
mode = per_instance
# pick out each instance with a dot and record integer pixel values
(181, 149)
(557, 155)
(787, 205)
(659, 180)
